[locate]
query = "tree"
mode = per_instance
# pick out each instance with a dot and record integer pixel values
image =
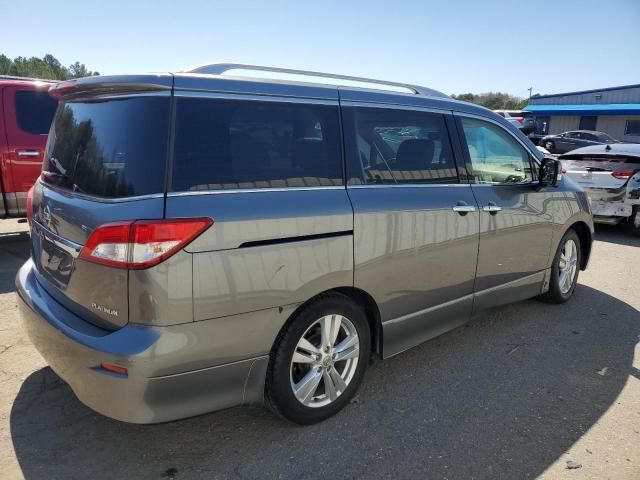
(47, 67)
(78, 70)
(493, 100)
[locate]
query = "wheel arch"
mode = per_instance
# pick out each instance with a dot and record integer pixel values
(586, 240)
(363, 300)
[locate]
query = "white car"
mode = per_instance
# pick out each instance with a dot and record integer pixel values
(610, 174)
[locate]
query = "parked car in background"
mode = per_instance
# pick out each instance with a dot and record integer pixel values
(543, 150)
(610, 174)
(522, 120)
(254, 258)
(567, 141)
(26, 111)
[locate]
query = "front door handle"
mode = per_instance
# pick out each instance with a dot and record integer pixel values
(492, 208)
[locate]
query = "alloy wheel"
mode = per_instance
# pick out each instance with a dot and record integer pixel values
(568, 266)
(324, 361)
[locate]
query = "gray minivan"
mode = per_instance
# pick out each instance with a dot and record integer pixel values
(201, 240)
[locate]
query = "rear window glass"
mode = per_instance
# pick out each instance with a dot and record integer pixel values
(34, 111)
(227, 144)
(111, 148)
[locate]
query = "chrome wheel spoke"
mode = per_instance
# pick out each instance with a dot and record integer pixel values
(306, 388)
(303, 357)
(337, 379)
(329, 387)
(307, 346)
(330, 327)
(348, 348)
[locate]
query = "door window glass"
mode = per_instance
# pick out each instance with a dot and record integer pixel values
(34, 111)
(399, 147)
(227, 144)
(496, 157)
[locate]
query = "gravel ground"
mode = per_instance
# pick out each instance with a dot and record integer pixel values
(523, 391)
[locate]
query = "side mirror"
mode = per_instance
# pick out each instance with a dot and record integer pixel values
(549, 173)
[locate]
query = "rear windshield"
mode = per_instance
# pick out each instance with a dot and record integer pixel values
(109, 148)
(228, 144)
(34, 111)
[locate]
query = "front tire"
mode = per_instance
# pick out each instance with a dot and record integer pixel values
(565, 269)
(318, 360)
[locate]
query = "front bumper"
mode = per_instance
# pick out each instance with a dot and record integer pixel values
(169, 375)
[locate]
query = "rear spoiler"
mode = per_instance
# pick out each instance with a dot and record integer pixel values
(111, 84)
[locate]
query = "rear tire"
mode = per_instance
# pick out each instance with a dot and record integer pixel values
(565, 269)
(318, 360)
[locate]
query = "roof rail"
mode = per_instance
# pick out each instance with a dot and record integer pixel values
(220, 68)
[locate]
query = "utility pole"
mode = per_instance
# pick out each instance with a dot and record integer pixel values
(530, 90)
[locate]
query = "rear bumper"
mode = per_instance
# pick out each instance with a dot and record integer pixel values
(606, 202)
(168, 376)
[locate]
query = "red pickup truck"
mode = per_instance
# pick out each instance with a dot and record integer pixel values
(26, 112)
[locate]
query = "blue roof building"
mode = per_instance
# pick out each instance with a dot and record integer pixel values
(614, 110)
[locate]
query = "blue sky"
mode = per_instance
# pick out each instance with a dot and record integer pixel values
(452, 46)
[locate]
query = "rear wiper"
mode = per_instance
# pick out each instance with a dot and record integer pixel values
(56, 176)
(62, 179)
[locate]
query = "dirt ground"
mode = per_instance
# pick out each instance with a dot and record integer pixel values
(523, 391)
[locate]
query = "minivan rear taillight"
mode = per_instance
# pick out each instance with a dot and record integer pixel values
(141, 243)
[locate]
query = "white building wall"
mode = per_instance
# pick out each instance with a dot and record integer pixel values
(559, 124)
(614, 125)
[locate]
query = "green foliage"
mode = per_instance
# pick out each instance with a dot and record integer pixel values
(493, 100)
(47, 67)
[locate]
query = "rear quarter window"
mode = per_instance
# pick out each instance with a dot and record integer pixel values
(34, 111)
(109, 148)
(230, 144)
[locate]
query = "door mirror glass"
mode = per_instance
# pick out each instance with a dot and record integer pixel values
(549, 173)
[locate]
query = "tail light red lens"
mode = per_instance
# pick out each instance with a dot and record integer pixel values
(141, 244)
(29, 205)
(623, 174)
(520, 119)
